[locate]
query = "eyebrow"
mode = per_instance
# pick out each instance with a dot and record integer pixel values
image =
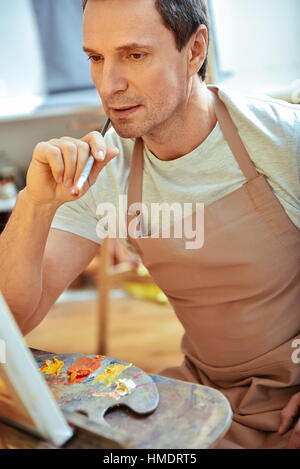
(126, 47)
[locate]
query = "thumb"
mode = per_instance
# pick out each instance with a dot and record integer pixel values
(285, 423)
(101, 161)
(111, 153)
(98, 147)
(288, 413)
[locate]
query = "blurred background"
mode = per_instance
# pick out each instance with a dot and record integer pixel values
(46, 91)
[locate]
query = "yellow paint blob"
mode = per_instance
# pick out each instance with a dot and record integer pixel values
(111, 373)
(123, 388)
(52, 366)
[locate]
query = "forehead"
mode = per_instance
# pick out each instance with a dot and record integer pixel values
(109, 23)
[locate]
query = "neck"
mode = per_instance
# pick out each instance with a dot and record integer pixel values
(188, 128)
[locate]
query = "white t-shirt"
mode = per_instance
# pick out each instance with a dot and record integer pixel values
(270, 130)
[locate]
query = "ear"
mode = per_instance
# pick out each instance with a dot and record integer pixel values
(197, 50)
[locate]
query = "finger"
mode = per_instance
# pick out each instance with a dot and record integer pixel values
(288, 413)
(99, 165)
(134, 262)
(96, 169)
(83, 153)
(294, 442)
(98, 147)
(51, 155)
(69, 152)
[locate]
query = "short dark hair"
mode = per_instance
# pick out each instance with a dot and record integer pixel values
(183, 17)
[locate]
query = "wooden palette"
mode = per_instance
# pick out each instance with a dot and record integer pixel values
(85, 397)
(25, 399)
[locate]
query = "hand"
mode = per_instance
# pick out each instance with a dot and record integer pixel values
(57, 164)
(120, 254)
(290, 417)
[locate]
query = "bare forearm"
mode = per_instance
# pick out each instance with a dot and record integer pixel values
(22, 246)
(30, 274)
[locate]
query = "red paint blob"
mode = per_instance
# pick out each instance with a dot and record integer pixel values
(83, 367)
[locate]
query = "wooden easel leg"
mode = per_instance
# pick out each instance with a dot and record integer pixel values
(103, 300)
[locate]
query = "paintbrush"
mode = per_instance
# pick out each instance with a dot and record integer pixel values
(89, 165)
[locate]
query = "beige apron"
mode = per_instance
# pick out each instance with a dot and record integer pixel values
(238, 297)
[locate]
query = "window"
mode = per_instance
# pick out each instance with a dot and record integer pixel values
(257, 45)
(60, 28)
(41, 53)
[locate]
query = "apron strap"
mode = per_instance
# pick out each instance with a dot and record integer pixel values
(231, 135)
(135, 180)
(233, 138)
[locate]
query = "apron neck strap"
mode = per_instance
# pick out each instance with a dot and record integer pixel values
(135, 181)
(232, 137)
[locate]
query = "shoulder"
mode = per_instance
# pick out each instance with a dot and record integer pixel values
(272, 117)
(270, 131)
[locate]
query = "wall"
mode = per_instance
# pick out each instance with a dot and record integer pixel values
(21, 63)
(259, 42)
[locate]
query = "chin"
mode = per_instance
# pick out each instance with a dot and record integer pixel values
(125, 130)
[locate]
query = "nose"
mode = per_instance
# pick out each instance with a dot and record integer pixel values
(112, 79)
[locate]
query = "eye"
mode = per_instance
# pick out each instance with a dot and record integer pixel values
(95, 58)
(137, 55)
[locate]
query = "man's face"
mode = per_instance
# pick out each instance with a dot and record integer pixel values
(140, 75)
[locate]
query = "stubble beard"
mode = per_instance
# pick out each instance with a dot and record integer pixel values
(127, 129)
(151, 126)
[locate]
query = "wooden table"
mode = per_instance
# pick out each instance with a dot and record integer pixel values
(189, 416)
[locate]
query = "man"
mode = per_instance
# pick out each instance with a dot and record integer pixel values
(238, 296)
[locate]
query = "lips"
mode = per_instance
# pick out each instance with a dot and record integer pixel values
(124, 108)
(124, 111)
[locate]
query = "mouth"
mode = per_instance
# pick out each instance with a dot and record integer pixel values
(124, 111)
